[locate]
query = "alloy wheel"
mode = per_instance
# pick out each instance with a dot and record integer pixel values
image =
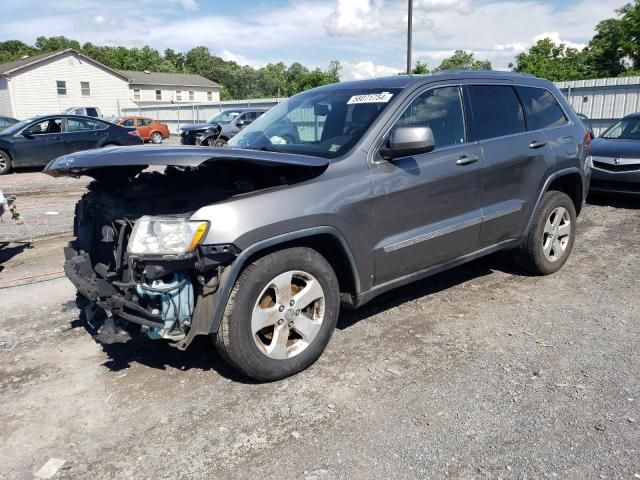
(288, 314)
(557, 232)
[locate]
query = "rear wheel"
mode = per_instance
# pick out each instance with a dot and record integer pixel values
(281, 314)
(218, 142)
(550, 240)
(5, 163)
(156, 137)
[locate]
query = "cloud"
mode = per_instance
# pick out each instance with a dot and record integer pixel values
(189, 4)
(99, 19)
(365, 69)
(358, 17)
(555, 38)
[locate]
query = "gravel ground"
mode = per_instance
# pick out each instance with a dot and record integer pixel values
(476, 373)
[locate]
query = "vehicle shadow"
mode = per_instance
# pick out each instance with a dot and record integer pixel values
(201, 353)
(616, 201)
(8, 250)
(482, 267)
(160, 355)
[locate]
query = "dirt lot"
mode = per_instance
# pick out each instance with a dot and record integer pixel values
(475, 373)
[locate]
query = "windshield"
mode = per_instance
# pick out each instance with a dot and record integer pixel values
(223, 118)
(325, 122)
(625, 129)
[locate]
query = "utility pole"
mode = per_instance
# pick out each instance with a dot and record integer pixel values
(409, 30)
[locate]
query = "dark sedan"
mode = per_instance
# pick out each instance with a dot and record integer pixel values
(36, 141)
(6, 122)
(615, 158)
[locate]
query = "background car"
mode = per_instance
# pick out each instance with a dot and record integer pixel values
(615, 158)
(150, 130)
(6, 122)
(36, 141)
(231, 121)
(84, 111)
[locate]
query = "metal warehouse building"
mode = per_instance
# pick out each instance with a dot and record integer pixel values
(603, 100)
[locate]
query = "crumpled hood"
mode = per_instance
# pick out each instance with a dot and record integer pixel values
(196, 126)
(605, 147)
(83, 163)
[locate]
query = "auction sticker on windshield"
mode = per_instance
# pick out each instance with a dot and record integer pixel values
(382, 97)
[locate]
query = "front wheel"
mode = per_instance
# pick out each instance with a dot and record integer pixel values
(280, 315)
(548, 244)
(156, 137)
(218, 142)
(5, 163)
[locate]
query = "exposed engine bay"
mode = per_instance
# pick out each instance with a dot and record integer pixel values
(124, 292)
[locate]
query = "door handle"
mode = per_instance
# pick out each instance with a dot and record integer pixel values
(535, 144)
(467, 159)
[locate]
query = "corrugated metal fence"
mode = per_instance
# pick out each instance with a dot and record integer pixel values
(176, 115)
(603, 100)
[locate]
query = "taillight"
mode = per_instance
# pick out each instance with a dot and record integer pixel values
(133, 133)
(587, 138)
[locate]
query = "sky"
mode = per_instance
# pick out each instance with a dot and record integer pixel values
(368, 37)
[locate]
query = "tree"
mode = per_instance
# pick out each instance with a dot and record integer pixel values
(52, 44)
(461, 60)
(553, 62)
(420, 68)
(605, 52)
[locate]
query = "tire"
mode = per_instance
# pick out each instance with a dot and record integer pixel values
(218, 142)
(156, 137)
(259, 313)
(6, 164)
(548, 244)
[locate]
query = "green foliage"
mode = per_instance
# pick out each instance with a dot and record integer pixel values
(420, 68)
(553, 62)
(461, 60)
(237, 81)
(613, 51)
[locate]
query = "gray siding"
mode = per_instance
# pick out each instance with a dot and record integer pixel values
(5, 99)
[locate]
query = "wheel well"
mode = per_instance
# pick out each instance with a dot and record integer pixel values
(571, 184)
(326, 245)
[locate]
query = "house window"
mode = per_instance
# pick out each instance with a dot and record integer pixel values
(158, 94)
(179, 95)
(85, 89)
(209, 96)
(62, 87)
(192, 95)
(136, 94)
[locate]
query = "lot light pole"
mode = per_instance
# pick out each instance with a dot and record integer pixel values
(409, 30)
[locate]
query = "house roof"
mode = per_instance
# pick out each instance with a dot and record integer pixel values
(133, 77)
(172, 79)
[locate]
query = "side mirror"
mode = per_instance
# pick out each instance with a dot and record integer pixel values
(26, 134)
(406, 141)
(240, 123)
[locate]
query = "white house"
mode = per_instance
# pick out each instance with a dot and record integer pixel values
(53, 82)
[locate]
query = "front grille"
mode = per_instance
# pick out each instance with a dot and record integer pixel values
(617, 168)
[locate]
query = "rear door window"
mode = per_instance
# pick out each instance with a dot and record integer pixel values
(128, 123)
(496, 110)
(541, 108)
(81, 124)
(92, 112)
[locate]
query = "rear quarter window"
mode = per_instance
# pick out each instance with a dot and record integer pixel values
(496, 110)
(541, 108)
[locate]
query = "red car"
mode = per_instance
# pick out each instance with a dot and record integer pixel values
(150, 130)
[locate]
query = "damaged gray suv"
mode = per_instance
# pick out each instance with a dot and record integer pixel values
(384, 182)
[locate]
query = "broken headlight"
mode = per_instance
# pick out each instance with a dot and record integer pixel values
(166, 236)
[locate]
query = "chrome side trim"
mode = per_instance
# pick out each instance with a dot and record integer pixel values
(453, 228)
(431, 235)
(502, 213)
